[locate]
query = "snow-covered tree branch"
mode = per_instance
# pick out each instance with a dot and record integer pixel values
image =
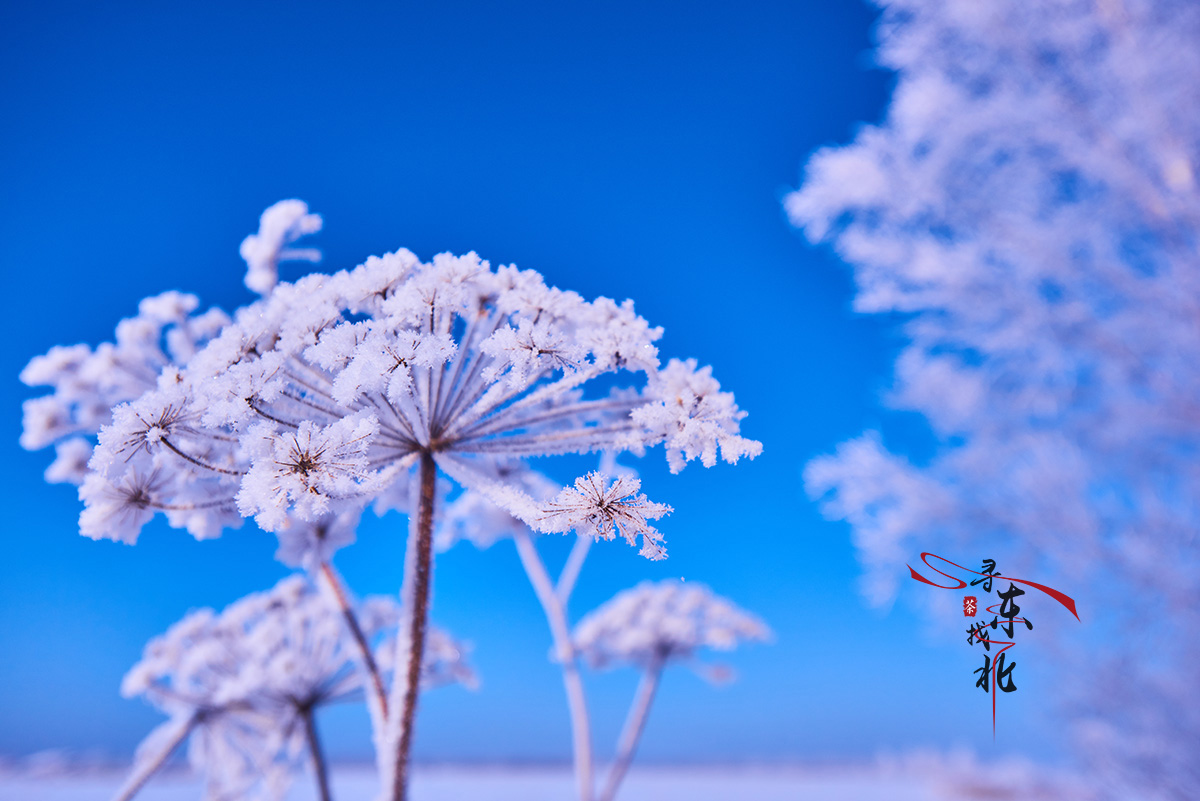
(1030, 208)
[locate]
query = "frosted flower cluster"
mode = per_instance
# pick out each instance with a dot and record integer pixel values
(280, 226)
(596, 508)
(240, 682)
(322, 396)
(670, 620)
(88, 382)
(388, 385)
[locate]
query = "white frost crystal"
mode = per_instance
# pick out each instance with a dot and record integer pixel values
(595, 508)
(322, 396)
(661, 622)
(240, 682)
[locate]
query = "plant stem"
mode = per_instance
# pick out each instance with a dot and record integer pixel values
(338, 588)
(570, 571)
(635, 722)
(419, 601)
(318, 757)
(377, 701)
(576, 700)
(142, 772)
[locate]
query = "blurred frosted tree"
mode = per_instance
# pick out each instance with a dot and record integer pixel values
(1029, 207)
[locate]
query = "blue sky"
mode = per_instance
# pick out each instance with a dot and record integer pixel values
(622, 149)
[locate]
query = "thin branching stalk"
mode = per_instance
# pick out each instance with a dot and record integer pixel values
(576, 700)
(419, 600)
(376, 693)
(144, 772)
(570, 571)
(631, 733)
(320, 771)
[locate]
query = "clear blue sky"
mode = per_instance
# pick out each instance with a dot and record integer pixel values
(622, 149)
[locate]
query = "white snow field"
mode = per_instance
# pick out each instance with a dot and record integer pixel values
(868, 783)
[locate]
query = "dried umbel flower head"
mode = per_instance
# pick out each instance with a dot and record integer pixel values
(596, 508)
(654, 623)
(322, 396)
(242, 682)
(88, 382)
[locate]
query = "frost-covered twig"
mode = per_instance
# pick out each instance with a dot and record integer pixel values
(631, 732)
(564, 651)
(376, 694)
(153, 753)
(570, 572)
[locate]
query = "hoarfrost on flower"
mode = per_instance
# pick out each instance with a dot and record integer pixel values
(596, 508)
(239, 683)
(304, 471)
(325, 394)
(87, 383)
(280, 225)
(670, 620)
(694, 418)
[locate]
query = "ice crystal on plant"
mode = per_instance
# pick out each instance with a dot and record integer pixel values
(305, 469)
(321, 396)
(88, 382)
(661, 622)
(239, 683)
(595, 508)
(693, 418)
(280, 225)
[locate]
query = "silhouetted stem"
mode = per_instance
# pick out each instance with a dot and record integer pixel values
(318, 757)
(576, 700)
(635, 722)
(419, 601)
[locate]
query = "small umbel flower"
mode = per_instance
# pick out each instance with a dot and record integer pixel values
(245, 684)
(88, 382)
(652, 626)
(661, 622)
(595, 508)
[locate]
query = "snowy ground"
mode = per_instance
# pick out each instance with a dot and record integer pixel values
(874, 783)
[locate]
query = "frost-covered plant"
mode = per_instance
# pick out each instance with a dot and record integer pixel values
(656, 623)
(280, 226)
(474, 518)
(88, 382)
(1031, 202)
(649, 627)
(339, 391)
(245, 685)
(659, 617)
